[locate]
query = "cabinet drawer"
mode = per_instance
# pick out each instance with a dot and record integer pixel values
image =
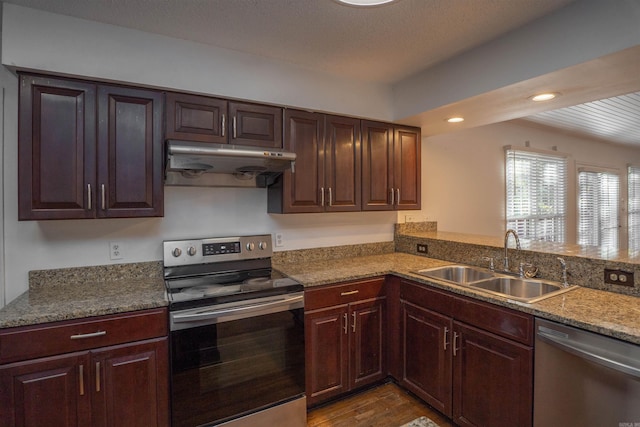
(343, 293)
(63, 337)
(499, 320)
(424, 296)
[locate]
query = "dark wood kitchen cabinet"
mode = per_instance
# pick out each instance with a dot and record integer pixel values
(217, 120)
(345, 330)
(88, 151)
(104, 371)
(390, 167)
(327, 174)
(470, 360)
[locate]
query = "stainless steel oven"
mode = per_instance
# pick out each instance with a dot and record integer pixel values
(237, 335)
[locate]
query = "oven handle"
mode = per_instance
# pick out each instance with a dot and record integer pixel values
(243, 311)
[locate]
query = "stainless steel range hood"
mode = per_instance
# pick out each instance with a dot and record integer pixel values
(224, 165)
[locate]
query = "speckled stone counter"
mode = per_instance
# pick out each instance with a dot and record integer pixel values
(75, 293)
(604, 312)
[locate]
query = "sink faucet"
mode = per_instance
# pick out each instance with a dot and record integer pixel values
(506, 242)
(563, 264)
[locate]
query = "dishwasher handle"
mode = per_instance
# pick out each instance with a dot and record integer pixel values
(591, 353)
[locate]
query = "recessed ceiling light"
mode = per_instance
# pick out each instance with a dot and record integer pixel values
(455, 119)
(364, 3)
(544, 96)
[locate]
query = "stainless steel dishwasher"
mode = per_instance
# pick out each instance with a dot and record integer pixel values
(584, 379)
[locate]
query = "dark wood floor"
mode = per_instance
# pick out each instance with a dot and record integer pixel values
(384, 406)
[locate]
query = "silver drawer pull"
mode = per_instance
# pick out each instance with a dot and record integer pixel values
(90, 335)
(343, 294)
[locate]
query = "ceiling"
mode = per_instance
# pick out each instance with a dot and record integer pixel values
(379, 44)
(386, 44)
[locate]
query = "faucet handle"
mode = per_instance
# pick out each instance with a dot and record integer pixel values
(492, 266)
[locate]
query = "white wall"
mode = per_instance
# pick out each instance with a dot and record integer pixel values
(463, 174)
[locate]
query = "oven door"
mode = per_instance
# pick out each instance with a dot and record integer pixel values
(236, 359)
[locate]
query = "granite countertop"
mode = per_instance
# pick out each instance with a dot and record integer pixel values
(83, 294)
(599, 311)
(80, 293)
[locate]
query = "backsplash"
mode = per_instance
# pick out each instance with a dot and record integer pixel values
(333, 252)
(470, 249)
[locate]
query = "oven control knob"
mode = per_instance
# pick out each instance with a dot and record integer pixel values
(251, 246)
(191, 251)
(177, 252)
(262, 245)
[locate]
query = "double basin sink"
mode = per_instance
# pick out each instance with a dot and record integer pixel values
(515, 288)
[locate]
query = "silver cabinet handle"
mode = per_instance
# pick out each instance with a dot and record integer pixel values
(330, 197)
(235, 128)
(97, 376)
(345, 323)
(393, 201)
(444, 340)
(321, 196)
(89, 207)
(397, 196)
(81, 379)
(455, 340)
(354, 322)
(90, 335)
(104, 198)
(224, 124)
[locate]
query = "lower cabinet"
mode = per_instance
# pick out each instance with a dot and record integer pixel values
(480, 375)
(345, 329)
(123, 385)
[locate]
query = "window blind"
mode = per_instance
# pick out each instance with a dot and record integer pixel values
(633, 185)
(535, 200)
(598, 207)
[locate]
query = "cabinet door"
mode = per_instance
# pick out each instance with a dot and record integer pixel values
(493, 380)
(46, 392)
(367, 339)
(130, 387)
(56, 149)
(406, 169)
(426, 355)
(301, 190)
(342, 164)
(196, 118)
(327, 368)
(130, 140)
(377, 166)
(255, 125)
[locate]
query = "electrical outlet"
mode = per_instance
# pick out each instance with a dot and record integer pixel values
(116, 250)
(279, 240)
(618, 277)
(421, 248)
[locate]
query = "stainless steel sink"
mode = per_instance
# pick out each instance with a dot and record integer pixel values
(526, 290)
(519, 289)
(458, 274)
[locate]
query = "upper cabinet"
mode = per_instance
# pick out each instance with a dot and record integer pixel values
(326, 177)
(215, 120)
(88, 151)
(390, 167)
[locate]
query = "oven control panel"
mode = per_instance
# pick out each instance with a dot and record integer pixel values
(201, 251)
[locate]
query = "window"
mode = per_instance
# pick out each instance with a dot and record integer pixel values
(598, 208)
(536, 187)
(633, 185)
